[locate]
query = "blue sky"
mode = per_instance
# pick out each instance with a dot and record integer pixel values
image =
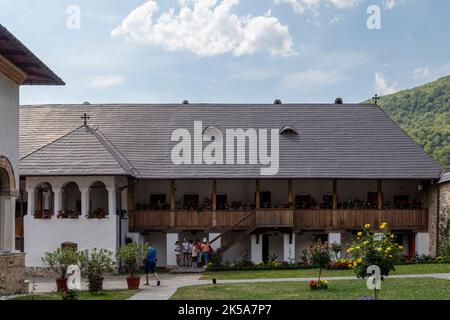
(231, 50)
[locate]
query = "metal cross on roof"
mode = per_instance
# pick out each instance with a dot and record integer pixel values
(85, 118)
(376, 98)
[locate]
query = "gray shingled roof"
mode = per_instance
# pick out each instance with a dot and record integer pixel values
(333, 141)
(445, 178)
(83, 151)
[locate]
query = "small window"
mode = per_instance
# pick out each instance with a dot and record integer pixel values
(401, 201)
(158, 201)
(265, 199)
(303, 201)
(221, 200)
(288, 131)
(322, 238)
(372, 199)
(190, 201)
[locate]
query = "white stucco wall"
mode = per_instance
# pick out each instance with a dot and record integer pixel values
(9, 122)
(47, 235)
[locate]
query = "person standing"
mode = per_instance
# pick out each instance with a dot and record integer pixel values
(194, 253)
(205, 251)
(185, 251)
(178, 252)
(150, 264)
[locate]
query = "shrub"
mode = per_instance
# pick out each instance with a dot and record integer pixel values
(59, 260)
(94, 264)
(375, 248)
(131, 256)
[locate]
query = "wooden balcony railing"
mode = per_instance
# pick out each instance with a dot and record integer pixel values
(275, 218)
(355, 218)
(303, 219)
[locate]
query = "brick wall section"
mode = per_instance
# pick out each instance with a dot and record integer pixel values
(12, 267)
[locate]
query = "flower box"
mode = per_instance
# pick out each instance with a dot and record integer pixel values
(42, 214)
(68, 214)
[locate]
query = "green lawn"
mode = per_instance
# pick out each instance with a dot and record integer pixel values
(267, 274)
(84, 295)
(392, 289)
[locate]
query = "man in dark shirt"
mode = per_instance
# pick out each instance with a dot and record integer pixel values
(150, 264)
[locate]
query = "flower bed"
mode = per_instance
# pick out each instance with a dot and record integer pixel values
(318, 285)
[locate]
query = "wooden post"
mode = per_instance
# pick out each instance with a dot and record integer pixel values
(290, 193)
(172, 203)
(257, 195)
(214, 203)
(335, 199)
(424, 195)
(380, 194)
(130, 202)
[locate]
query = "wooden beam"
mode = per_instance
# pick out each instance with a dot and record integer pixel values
(290, 193)
(12, 52)
(380, 194)
(257, 195)
(335, 198)
(11, 71)
(425, 188)
(214, 203)
(172, 203)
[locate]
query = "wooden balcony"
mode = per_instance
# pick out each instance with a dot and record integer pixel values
(405, 219)
(275, 218)
(227, 218)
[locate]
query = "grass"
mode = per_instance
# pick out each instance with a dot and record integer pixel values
(309, 273)
(85, 295)
(392, 289)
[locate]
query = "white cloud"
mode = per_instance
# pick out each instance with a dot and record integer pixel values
(421, 72)
(381, 85)
(301, 6)
(206, 28)
(106, 81)
(390, 4)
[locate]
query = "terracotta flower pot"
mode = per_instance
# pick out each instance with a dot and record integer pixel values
(61, 284)
(133, 283)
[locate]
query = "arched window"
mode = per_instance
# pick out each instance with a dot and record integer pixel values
(98, 200)
(4, 180)
(288, 131)
(71, 201)
(43, 205)
(7, 179)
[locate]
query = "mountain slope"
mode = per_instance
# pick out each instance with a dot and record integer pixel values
(424, 113)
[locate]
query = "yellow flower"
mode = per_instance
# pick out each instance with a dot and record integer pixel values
(367, 226)
(359, 260)
(390, 256)
(388, 249)
(349, 250)
(379, 249)
(392, 236)
(366, 242)
(360, 234)
(400, 247)
(383, 226)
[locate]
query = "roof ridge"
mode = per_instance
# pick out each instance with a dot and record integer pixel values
(50, 143)
(113, 150)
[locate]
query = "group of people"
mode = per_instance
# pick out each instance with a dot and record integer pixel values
(193, 254)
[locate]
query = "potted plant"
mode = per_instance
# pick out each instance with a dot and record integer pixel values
(131, 256)
(68, 214)
(94, 264)
(58, 261)
(98, 213)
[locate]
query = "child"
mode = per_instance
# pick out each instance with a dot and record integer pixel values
(177, 252)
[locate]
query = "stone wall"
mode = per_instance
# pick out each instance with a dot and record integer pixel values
(12, 267)
(432, 217)
(444, 215)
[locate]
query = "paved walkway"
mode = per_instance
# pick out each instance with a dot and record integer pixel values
(171, 282)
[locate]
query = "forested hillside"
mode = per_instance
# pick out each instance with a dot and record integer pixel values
(424, 113)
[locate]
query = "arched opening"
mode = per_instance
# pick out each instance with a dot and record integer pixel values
(4, 180)
(98, 200)
(71, 201)
(43, 205)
